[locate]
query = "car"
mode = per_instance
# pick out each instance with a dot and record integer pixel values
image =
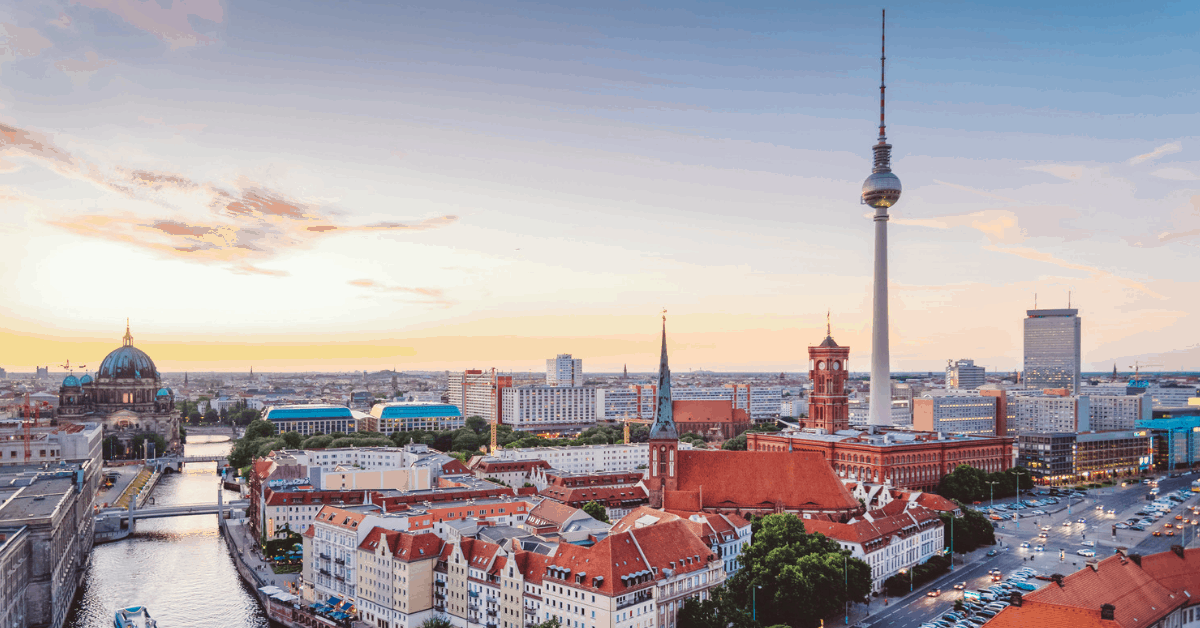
(934, 593)
(1170, 533)
(1045, 528)
(1167, 526)
(1178, 517)
(960, 586)
(1044, 535)
(1099, 507)
(1066, 524)
(991, 552)
(1196, 522)
(1157, 533)
(1025, 586)
(1088, 544)
(993, 571)
(1122, 526)
(1081, 520)
(1040, 548)
(1139, 528)
(1111, 511)
(1086, 553)
(1025, 545)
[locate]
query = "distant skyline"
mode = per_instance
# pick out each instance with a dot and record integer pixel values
(336, 186)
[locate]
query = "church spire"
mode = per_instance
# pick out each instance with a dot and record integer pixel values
(664, 419)
(127, 341)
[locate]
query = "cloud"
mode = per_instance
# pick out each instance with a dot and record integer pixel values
(243, 222)
(1165, 149)
(434, 295)
(975, 191)
(63, 21)
(26, 42)
(1062, 171)
(191, 127)
(999, 225)
(86, 67)
(1174, 174)
(169, 21)
(1092, 271)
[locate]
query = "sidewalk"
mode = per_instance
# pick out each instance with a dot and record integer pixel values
(247, 550)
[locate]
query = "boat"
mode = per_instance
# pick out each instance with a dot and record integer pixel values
(134, 617)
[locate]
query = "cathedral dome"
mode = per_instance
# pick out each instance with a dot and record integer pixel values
(86, 379)
(70, 382)
(163, 392)
(127, 362)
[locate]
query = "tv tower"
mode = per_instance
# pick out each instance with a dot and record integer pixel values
(881, 190)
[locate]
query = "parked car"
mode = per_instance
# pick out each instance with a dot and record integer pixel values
(934, 593)
(991, 552)
(1087, 553)
(960, 586)
(1081, 520)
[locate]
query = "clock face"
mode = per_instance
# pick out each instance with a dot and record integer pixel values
(821, 365)
(837, 366)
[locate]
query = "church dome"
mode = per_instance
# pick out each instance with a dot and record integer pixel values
(127, 362)
(86, 379)
(163, 392)
(70, 382)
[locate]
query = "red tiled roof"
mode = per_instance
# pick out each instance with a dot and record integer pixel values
(403, 545)
(550, 512)
(878, 530)
(936, 502)
(673, 545)
(1179, 573)
(577, 497)
(699, 411)
(340, 518)
(1116, 580)
(754, 479)
(455, 467)
(532, 565)
(1039, 615)
(509, 466)
(613, 557)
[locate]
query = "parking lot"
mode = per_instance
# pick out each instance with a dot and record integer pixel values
(1062, 544)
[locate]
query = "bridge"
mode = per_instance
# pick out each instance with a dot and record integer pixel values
(176, 510)
(176, 462)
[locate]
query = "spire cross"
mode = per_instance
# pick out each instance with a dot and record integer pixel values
(128, 339)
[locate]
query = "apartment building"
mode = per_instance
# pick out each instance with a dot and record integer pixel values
(898, 536)
(1050, 413)
(587, 458)
(1118, 412)
(964, 375)
(563, 370)
(631, 402)
(956, 412)
(554, 409)
(477, 392)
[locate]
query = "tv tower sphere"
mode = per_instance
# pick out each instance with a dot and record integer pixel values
(881, 190)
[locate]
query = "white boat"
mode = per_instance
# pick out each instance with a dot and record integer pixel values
(134, 617)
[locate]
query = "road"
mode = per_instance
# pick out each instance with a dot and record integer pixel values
(916, 608)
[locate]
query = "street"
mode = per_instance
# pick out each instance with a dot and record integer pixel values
(917, 608)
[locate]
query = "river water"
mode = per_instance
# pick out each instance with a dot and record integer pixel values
(178, 567)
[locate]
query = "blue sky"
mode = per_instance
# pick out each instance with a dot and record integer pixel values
(451, 175)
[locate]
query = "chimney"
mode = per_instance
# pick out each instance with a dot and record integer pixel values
(1178, 549)
(1137, 558)
(1015, 599)
(1094, 564)
(1057, 578)
(1106, 611)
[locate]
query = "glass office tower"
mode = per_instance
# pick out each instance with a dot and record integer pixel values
(1052, 358)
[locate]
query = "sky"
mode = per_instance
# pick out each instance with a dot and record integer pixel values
(455, 184)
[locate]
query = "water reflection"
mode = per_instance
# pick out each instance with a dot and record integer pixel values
(179, 568)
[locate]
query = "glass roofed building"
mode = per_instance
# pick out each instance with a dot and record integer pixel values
(408, 416)
(311, 419)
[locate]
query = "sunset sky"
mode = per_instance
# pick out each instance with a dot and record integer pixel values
(337, 185)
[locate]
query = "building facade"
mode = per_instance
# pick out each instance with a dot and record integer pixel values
(1050, 413)
(964, 375)
(902, 459)
(828, 404)
(1118, 412)
(549, 409)
(477, 393)
(892, 539)
(1067, 457)
(563, 370)
(960, 413)
(310, 419)
(408, 416)
(1052, 349)
(631, 402)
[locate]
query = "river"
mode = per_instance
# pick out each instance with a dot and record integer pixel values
(179, 567)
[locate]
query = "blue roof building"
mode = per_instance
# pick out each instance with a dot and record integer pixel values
(408, 416)
(310, 419)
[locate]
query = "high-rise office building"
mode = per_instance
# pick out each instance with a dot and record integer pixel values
(477, 392)
(964, 375)
(564, 370)
(1052, 357)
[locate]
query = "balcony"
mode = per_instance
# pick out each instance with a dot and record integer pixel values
(339, 577)
(635, 598)
(324, 571)
(491, 611)
(439, 595)
(324, 555)
(339, 561)
(492, 600)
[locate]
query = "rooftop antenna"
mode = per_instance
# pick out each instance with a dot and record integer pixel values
(1035, 300)
(882, 58)
(1068, 299)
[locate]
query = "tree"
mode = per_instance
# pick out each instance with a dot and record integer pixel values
(260, 429)
(465, 440)
(437, 621)
(549, 623)
(718, 611)
(293, 440)
(737, 443)
(194, 417)
(596, 510)
(137, 444)
(477, 424)
(798, 578)
(113, 448)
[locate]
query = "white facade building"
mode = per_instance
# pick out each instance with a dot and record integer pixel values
(1050, 413)
(1118, 412)
(564, 370)
(631, 402)
(963, 374)
(549, 408)
(919, 536)
(587, 458)
(955, 412)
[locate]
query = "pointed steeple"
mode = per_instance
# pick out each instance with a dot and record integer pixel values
(664, 419)
(127, 341)
(828, 342)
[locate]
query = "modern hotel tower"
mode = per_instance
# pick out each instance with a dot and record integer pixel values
(881, 190)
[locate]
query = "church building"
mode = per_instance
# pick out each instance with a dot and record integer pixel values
(737, 482)
(126, 396)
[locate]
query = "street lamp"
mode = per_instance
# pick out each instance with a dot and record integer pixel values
(846, 575)
(754, 603)
(992, 492)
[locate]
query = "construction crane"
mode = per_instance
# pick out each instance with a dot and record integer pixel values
(30, 413)
(1137, 368)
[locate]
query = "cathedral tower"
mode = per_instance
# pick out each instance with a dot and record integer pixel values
(828, 406)
(664, 438)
